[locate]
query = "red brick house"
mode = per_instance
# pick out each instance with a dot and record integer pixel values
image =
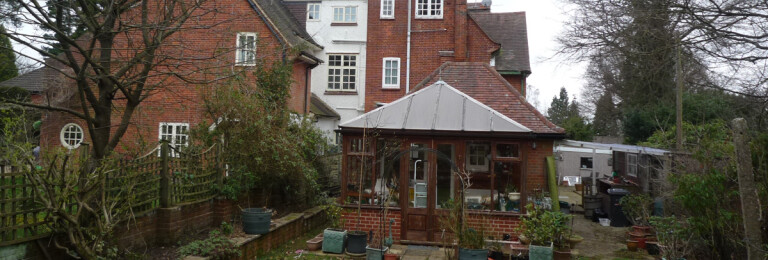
(230, 36)
(440, 31)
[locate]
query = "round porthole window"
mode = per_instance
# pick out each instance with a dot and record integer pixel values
(71, 136)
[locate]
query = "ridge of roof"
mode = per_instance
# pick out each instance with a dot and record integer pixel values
(445, 68)
(285, 24)
(424, 104)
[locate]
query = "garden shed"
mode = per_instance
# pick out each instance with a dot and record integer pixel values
(405, 155)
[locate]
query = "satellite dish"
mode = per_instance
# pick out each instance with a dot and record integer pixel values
(487, 3)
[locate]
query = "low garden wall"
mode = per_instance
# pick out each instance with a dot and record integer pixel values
(496, 224)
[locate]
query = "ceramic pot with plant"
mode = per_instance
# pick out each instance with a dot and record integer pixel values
(631, 245)
(545, 229)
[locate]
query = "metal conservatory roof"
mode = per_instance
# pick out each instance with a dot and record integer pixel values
(438, 107)
(617, 147)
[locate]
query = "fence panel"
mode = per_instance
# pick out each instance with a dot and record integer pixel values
(194, 176)
(21, 219)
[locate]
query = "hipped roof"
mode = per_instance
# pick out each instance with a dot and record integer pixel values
(438, 107)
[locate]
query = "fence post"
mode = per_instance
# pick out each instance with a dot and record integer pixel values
(220, 168)
(750, 202)
(165, 179)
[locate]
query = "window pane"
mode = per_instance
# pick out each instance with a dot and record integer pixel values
(446, 185)
(388, 174)
(586, 163)
(508, 186)
(508, 150)
(417, 175)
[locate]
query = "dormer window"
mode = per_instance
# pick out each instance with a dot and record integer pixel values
(429, 9)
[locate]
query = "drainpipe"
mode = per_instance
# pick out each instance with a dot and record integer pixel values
(306, 89)
(408, 53)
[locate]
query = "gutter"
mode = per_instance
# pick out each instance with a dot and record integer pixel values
(408, 52)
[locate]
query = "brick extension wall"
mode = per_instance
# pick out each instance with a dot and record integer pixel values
(370, 220)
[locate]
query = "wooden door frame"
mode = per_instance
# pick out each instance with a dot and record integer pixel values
(404, 196)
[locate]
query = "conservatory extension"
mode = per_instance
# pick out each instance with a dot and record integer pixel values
(408, 156)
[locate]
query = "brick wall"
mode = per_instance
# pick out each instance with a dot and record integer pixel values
(203, 53)
(536, 176)
(429, 39)
(370, 220)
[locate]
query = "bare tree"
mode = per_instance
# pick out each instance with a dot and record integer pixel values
(119, 53)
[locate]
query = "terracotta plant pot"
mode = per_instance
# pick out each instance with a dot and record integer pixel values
(635, 236)
(565, 254)
(632, 245)
(642, 230)
(391, 257)
(641, 243)
(315, 244)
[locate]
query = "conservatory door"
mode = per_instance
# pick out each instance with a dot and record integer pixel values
(416, 217)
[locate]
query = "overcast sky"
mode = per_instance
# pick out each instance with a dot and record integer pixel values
(545, 21)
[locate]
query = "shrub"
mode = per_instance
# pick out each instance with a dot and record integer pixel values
(216, 246)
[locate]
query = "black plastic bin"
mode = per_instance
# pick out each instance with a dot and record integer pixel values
(615, 213)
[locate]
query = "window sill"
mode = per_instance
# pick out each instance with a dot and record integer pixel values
(343, 24)
(429, 17)
(340, 93)
(390, 87)
(387, 18)
(245, 64)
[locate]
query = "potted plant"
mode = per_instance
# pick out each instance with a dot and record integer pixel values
(637, 207)
(334, 238)
(545, 230)
(379, 244)
(512, 193)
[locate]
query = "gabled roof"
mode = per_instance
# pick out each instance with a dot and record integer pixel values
(318, 107)
(509, 30)
(486, 85)
(32, 81)
(287, 28)
(438, 107)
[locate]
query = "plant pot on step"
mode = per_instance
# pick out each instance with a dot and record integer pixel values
(389, 256)
(315, 243)
(540, 252)
(641, 243)
(256, 221)
(356, 242)
(562, 254)
(642, 229)
(334, 240)
(473, 254)
(375, 253)
(632, 245)
(653, 248)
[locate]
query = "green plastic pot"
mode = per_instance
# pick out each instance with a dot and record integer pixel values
(473, 254)
(256, 221)
(334, 240)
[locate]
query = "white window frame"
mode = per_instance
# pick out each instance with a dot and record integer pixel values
(346, 11)
(631, 167)
(342, 70)
(391, 14)
(64, 138)
(384, 73)
(429, 4)
(239, 49)
(478, 167)
(313, 8)
(176, 139)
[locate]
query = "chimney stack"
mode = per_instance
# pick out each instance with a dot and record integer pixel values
(460, 31)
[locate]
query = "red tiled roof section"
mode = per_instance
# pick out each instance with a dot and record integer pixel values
(483, 83)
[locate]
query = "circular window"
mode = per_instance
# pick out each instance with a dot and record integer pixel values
(71, 136)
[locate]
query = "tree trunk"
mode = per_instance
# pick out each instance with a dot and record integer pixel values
(750, 203)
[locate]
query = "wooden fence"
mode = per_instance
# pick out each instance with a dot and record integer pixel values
(163, 178)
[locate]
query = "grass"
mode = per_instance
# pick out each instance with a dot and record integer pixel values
(296, 247)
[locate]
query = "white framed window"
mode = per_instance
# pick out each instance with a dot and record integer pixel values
(387, 9)
(177, 134)
(246, 49)
(391, 73)
(71, 136)
(632, 165)
(345, 14)
(313, 12)
(477, 157)
(342, 72)
(430, 9)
